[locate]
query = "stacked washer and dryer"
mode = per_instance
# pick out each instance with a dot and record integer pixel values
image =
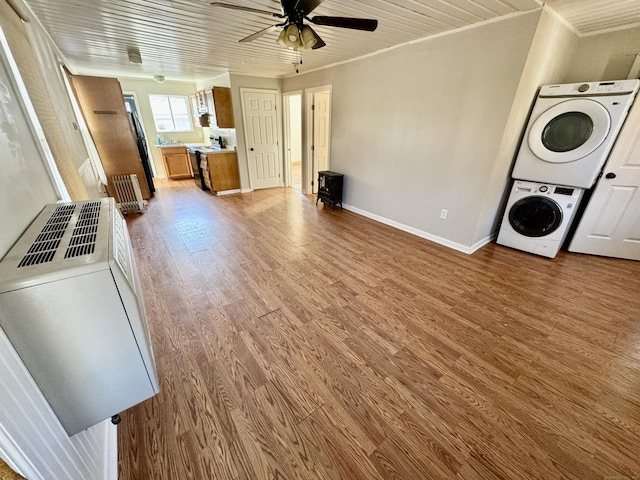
(570, 133)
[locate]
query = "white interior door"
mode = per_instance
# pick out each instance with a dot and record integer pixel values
(319, 105)
(261, 137)
(610, 225)
(292, 120)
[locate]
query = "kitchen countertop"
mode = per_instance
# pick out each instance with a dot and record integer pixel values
(209, 150)
(202, 147)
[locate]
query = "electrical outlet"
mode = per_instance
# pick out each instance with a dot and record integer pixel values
(443, 214)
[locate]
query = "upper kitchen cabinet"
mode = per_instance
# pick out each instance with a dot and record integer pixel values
(212, 108)
(102, 105)
(223, 107)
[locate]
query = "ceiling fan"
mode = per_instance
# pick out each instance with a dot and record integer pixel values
(295, 33)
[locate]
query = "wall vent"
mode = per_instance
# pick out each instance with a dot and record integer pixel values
(83, 237)
(47, 242)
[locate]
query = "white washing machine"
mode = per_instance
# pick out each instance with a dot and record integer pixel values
(538, 217)
(571, 131)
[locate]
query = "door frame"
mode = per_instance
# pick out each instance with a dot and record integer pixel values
(286, 120)
(308, 160)
(133, 94)
(279, 141)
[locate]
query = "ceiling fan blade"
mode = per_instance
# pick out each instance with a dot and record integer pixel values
(304, 6)
(262, 32)
(308, 6)
(245, 9)
(346, 22)
(319, 42)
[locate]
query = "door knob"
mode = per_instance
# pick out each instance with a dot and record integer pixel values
(251, 149)
(610, 175)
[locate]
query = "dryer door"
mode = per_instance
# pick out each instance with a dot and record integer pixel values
(535, 216)
(569, 131)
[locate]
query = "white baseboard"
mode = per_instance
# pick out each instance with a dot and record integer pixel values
(246, 190)
(228, 192)
(421, 233)
(481, 243)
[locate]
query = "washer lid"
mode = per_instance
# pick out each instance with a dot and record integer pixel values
(569, 131)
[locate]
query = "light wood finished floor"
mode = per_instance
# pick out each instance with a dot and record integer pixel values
(296, 342)
(296, 175)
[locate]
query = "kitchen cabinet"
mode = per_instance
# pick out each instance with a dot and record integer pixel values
(176, 161)
(102, 105)
(223, 107)
(221, 168)
(218, 106)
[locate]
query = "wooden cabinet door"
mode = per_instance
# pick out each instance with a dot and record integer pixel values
(224, 171)
(176, 161)
(223, 107)
(176, 166)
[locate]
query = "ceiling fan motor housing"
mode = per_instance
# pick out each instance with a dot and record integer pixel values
(295, 34)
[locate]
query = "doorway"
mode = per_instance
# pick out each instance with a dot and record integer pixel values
(318, 107)
(293, 139)
(140, 138)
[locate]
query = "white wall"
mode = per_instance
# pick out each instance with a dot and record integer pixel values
(417, 129)
(142, 90)
(607, 56)
(218, 81)
(25, 184)
(48, 60)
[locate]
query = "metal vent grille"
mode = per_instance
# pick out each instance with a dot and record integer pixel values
(47, 242)
(83, 237)
(121, 251)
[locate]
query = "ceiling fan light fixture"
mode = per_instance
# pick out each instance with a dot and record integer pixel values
(281, 37)
(159, 78)
(292, 36)
(308, 38)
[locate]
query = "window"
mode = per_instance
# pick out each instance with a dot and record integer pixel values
(171, 113)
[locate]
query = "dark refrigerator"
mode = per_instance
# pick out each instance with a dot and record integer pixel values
(138, 133)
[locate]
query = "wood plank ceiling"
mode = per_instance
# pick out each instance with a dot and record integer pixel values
(192, 40)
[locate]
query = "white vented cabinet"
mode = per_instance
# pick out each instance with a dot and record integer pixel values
(71, 305)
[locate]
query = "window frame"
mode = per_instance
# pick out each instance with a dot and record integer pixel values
(164, 116)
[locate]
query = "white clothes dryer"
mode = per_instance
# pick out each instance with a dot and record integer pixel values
(571, 131)
(538, 217)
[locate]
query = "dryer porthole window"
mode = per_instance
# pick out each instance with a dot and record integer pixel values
(567, 131)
